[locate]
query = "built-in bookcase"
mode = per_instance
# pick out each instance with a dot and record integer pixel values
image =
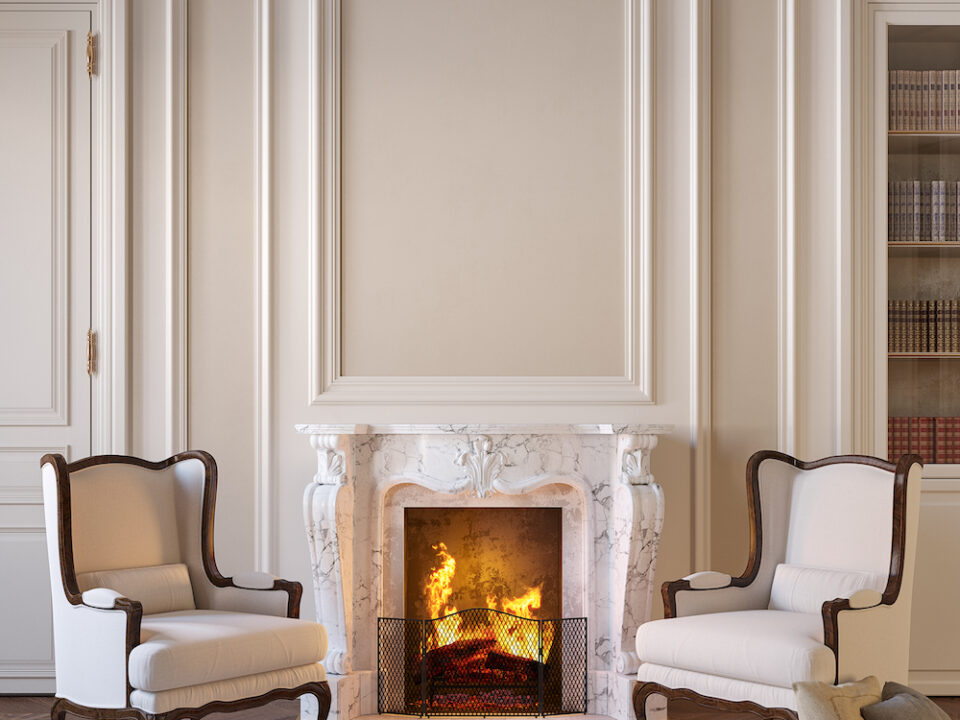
(923, 242)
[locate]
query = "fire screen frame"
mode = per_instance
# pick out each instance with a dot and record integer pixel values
(405, 677)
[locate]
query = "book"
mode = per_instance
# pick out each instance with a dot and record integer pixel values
(922, 438)
(941, 319)
(899, 442)
(947, 440)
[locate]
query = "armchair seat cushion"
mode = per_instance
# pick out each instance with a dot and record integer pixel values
(195, 647)
(770, 647)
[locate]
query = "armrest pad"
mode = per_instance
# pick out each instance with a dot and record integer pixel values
(104, 598)
(254, 580)
(708, 580)
(865, 598)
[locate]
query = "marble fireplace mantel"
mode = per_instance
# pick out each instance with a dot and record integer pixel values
(366, 474)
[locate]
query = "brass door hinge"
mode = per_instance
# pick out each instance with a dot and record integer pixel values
(91, 54)
(91, 352)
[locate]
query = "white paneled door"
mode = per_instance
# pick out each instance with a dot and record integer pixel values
(45, 250)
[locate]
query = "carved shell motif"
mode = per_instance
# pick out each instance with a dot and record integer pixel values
(483, 465)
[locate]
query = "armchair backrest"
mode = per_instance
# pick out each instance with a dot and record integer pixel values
(141, 528)
(839, 515)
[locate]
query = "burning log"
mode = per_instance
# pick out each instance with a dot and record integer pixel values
(461, 657)
(521, 667)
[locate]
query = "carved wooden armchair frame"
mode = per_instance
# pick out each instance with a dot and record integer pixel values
(832, 611)
(133, 609)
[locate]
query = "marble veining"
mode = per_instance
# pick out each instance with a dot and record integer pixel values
(598, 474)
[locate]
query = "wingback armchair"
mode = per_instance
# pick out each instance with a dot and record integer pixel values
(145, 626)
(825, 596)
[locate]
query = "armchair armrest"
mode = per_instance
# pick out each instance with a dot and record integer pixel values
(255, 592)
(709, 592)
(254, 580)
(708, 580)
(98, 629)
(874, 632)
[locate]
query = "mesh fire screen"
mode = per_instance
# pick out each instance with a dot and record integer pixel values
(482, 662)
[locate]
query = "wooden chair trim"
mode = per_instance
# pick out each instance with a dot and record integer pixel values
(642, 691)
(320, 690)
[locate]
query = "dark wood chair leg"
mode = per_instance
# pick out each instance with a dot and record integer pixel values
(57, 711)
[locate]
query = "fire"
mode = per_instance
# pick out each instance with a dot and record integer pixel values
(526, 604)
(439, 586)
(521, 638)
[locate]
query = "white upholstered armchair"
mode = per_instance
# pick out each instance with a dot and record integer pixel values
(826, 594)
(145, 626)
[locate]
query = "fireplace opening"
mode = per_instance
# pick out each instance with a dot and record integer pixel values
(483, 632)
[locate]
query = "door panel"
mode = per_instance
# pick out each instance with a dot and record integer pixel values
(45, 176)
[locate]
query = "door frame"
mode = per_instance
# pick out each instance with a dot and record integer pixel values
(109, 237)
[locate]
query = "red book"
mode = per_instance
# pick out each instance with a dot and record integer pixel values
(898, 437)
(922, 438)
(948, 440)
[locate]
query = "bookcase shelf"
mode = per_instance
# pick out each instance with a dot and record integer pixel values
(924, 244)
(922, 355)
(924, 133)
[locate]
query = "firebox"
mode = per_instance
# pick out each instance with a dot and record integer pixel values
(483, 632)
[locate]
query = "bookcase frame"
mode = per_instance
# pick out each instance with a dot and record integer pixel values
(874, 150)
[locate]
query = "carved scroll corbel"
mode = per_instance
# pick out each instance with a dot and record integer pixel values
(322, 500)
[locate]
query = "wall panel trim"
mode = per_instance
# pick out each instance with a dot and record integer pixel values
(175, 211)
(263, 457)
(109, 239)
(787, 426)
(327, 385)
(701, 325)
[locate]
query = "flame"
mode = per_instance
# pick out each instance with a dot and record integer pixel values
(525, 605)
(520, 638)
(439, 585)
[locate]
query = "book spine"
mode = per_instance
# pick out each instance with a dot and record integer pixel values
(891, 231)
(941, 344)
(917, 211)
(925, 440)
(950, 212)
(930, 324)
(890, 321)
(941, 439)
(892, 99)
(925, 99)
(954, 329)
(938, 80)
(916, 341)
(903, 337)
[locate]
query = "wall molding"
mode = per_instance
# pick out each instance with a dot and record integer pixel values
(787, 426)
(845, 151)
(327, 385)
(109, 251)
(701, 319)
(175, 211)
(57, 411)
(264, 541)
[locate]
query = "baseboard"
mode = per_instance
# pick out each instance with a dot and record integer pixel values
(935, 682)
(27, 686)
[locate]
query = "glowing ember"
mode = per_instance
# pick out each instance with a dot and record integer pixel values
(518, 638)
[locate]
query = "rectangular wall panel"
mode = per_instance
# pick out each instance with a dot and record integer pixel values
(484, 169)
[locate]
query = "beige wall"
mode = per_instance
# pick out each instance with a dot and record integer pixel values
(249, 245)
(744, 233)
